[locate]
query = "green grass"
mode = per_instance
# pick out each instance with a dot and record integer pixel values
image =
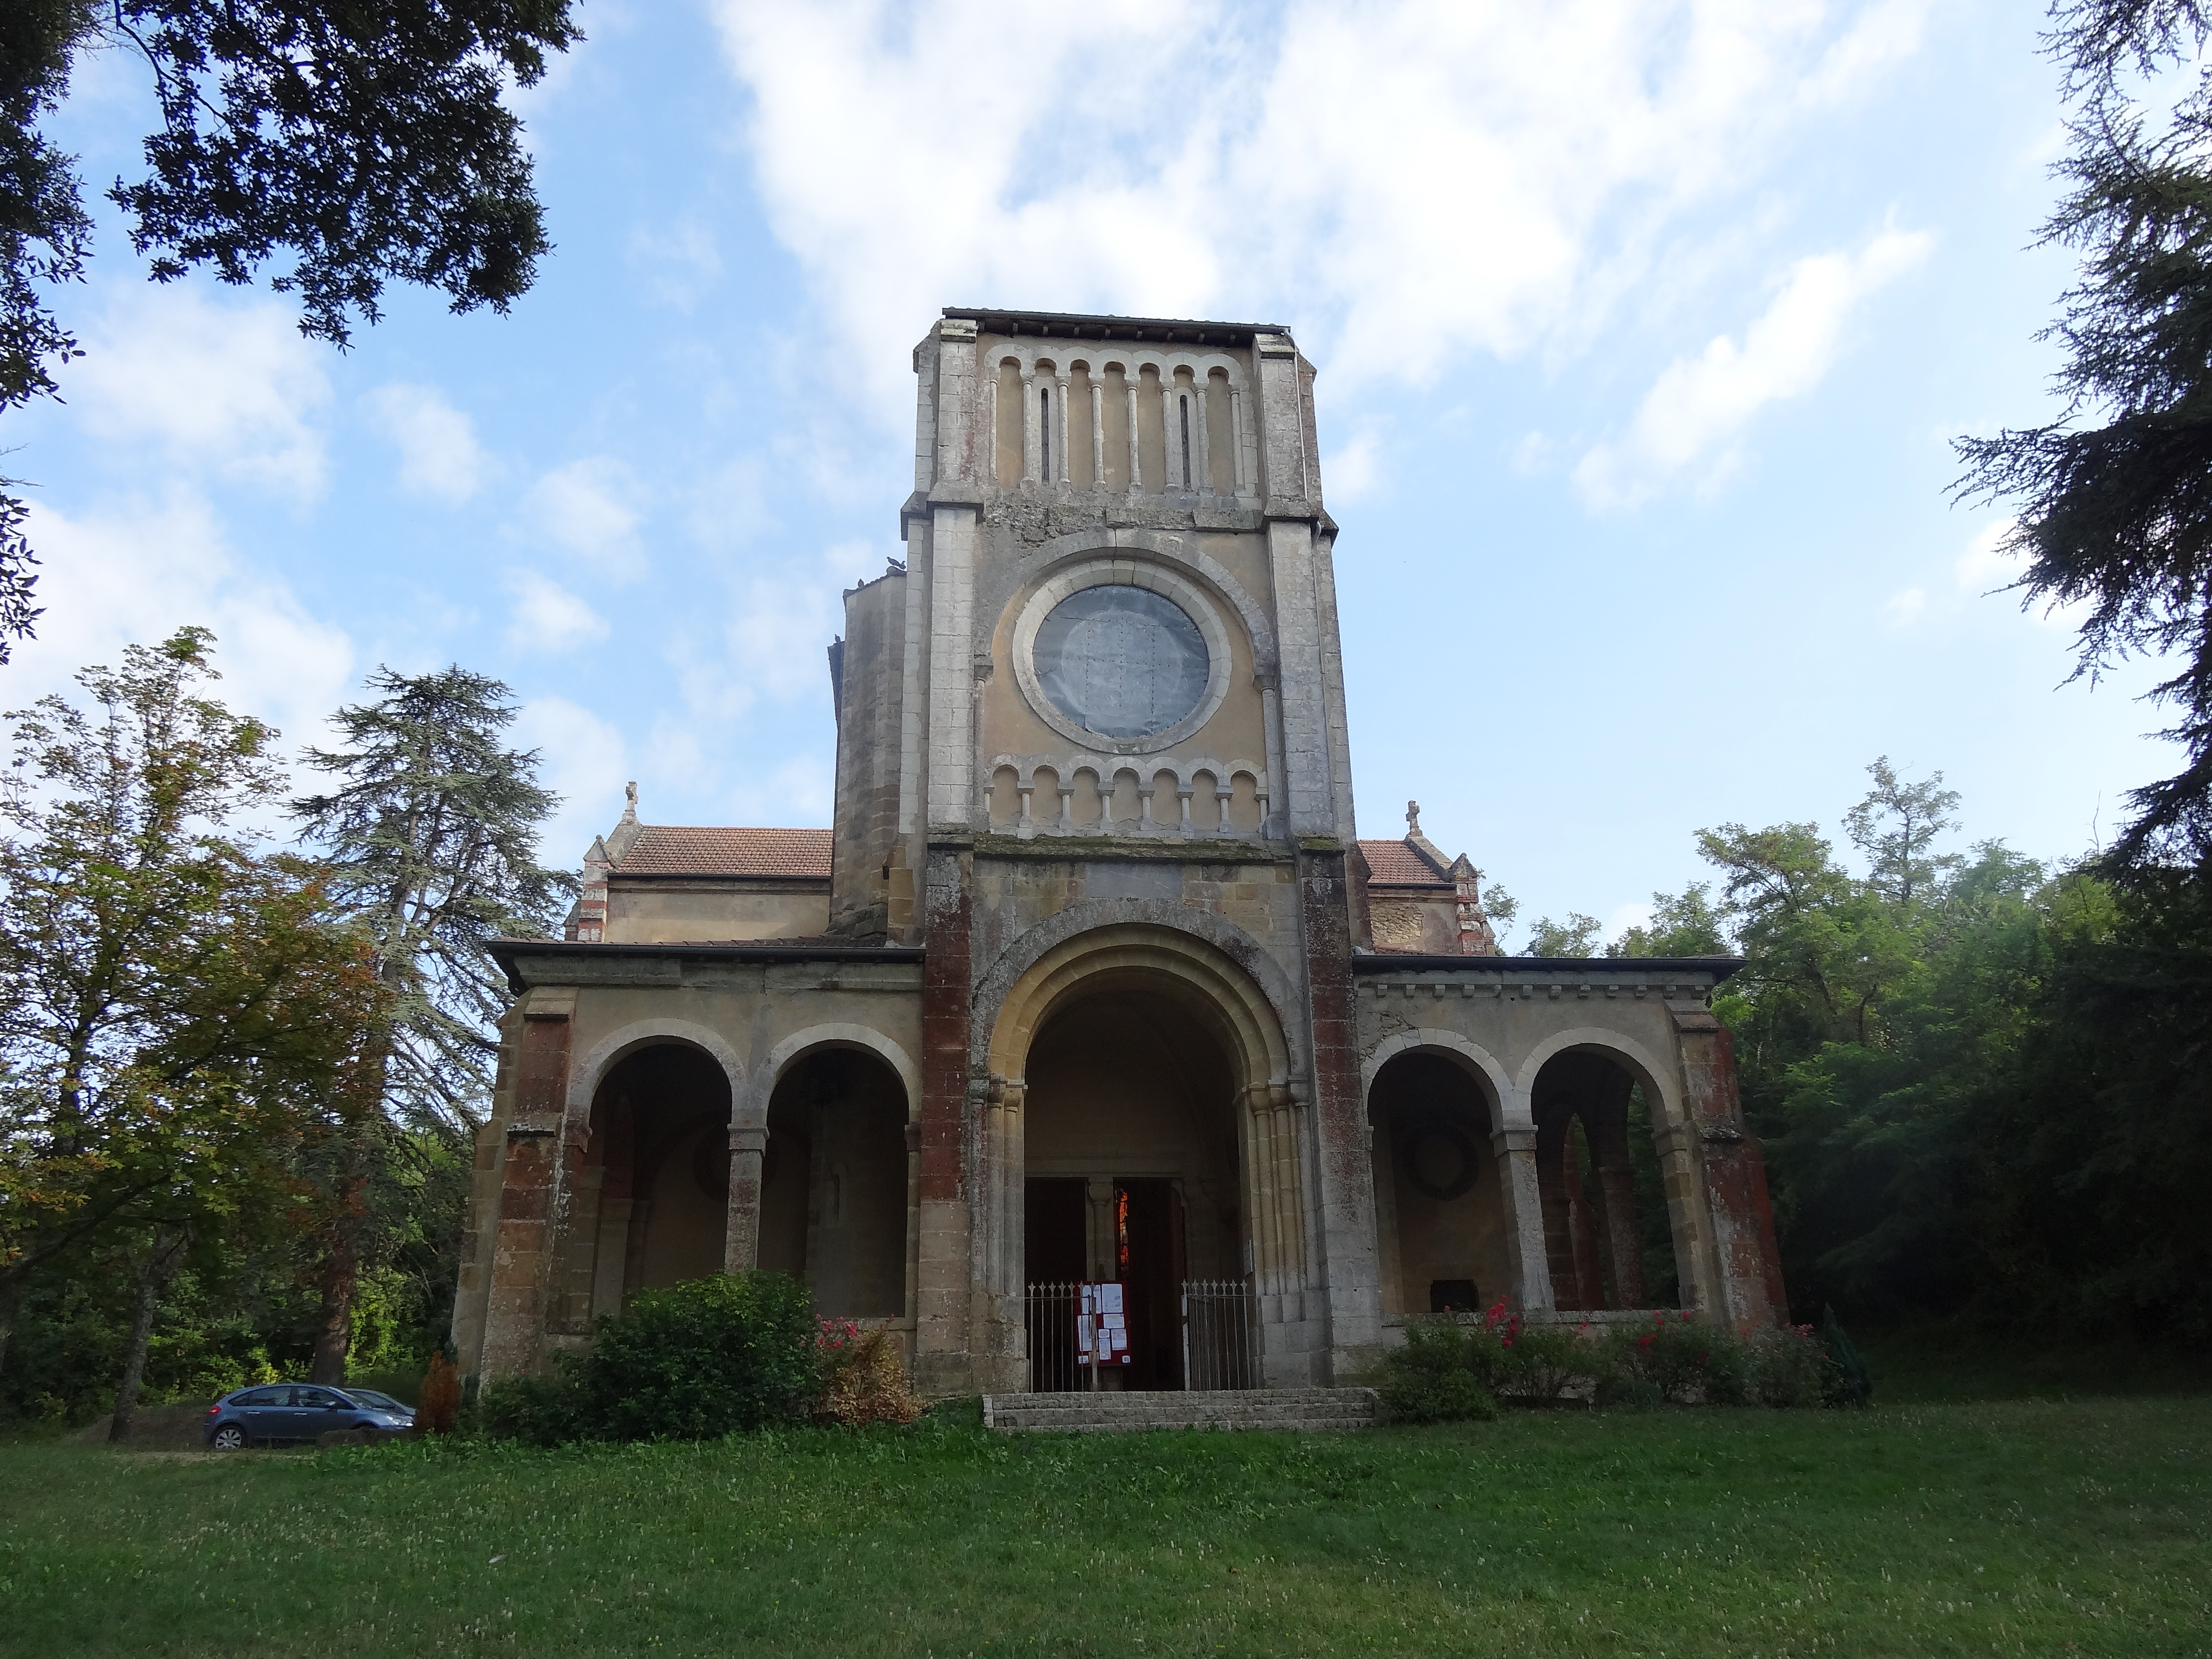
(2012, 1527)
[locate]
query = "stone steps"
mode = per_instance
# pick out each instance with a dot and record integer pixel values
(1290, 1409)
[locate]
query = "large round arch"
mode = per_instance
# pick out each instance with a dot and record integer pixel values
(1244, 1088)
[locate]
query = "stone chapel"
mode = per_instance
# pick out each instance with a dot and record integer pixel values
(1091, 980)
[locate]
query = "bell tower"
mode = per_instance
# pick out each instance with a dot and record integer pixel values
(1119, 703)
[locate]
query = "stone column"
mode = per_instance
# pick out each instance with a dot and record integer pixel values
(741, 1230)
(1238, 478)
(1129, 379)
(1271, 719)
(1030, 434)
(1097, 429)
(1170, 435)
(1060, 425)
(1204, 480)
(1524, 1216)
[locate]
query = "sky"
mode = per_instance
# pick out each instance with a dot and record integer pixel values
(1644, 329)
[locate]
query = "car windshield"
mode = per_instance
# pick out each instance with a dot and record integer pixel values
(371, 1397)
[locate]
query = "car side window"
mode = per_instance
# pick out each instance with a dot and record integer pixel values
(314, 1399)
(261, 1397)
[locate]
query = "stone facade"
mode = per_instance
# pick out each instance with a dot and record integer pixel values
(1091, 976)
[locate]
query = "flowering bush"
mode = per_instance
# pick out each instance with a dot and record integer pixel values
(862, 1378)
(1676, 1358)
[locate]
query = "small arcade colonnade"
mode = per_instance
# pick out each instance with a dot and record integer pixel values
(635, 1142)
(1564, 1134)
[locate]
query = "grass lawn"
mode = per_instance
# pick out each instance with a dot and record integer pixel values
(2018, 1527)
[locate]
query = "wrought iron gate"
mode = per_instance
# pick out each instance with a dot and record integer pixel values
(1219, 1337)
(1218, 1334)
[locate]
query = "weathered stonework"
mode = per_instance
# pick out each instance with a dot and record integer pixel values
(1069, 991)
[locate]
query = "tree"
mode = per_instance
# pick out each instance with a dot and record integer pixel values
(2114, 497)
(1686, 924)
(175, 1006)
(431, 837)
(1575, 937)
(356, 144)
(1894, 827)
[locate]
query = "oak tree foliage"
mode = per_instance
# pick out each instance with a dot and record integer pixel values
(179, 1007)
(333, 146)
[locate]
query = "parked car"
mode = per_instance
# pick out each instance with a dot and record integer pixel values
(277, 1414)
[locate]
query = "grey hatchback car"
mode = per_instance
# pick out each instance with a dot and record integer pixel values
(279, 1413)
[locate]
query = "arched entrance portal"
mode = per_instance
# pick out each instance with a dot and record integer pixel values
(834, 1183)
(1132, 1170)
(653, 1201)
(1606, 1232)
(1440, 1212)
(1142, 1125)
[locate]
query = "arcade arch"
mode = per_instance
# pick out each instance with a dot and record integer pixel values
(1443, 1221)
(1610, 1233)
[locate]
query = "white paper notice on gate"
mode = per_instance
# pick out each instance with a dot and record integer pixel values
(1110, 1299)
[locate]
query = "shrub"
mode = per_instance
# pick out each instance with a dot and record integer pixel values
(862, 1378)
(1788, 1367)
(438, 1407)
(703, 1358)
(1676, 1359)
(538, 1411)
(1542, 1362)
(1436, 1378)
(690, 1362)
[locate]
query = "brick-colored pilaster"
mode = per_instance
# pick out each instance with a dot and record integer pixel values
(942, 1287)
(530, 1192)
(1345, 1261)
(1750, 1295)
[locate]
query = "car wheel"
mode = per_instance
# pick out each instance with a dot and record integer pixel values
(228, 1438)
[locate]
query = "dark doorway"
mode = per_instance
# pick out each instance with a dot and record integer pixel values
(1053, 1233)
(1148, 1261)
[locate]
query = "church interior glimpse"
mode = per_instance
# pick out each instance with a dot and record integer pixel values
(1131, 1162)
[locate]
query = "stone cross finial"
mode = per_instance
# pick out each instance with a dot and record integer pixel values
(1412, 817)
(629, 795)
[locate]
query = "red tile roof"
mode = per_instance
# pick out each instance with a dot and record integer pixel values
(1396, 864)
(677, 850)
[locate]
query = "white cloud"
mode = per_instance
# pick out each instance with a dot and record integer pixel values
(679, 262)
(548, 618)
(1693, 415)
(592, 508)
(136, 571)
(228, 387)
(439, 454)
(583, 759)
(799, 792)
(1416, 180)
(778, 635)
(1906, 607)
(1355, 472)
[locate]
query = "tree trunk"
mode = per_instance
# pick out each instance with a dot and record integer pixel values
(341, 1275)
(161, 1260)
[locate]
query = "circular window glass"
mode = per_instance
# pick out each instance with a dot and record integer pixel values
(1123, 662)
